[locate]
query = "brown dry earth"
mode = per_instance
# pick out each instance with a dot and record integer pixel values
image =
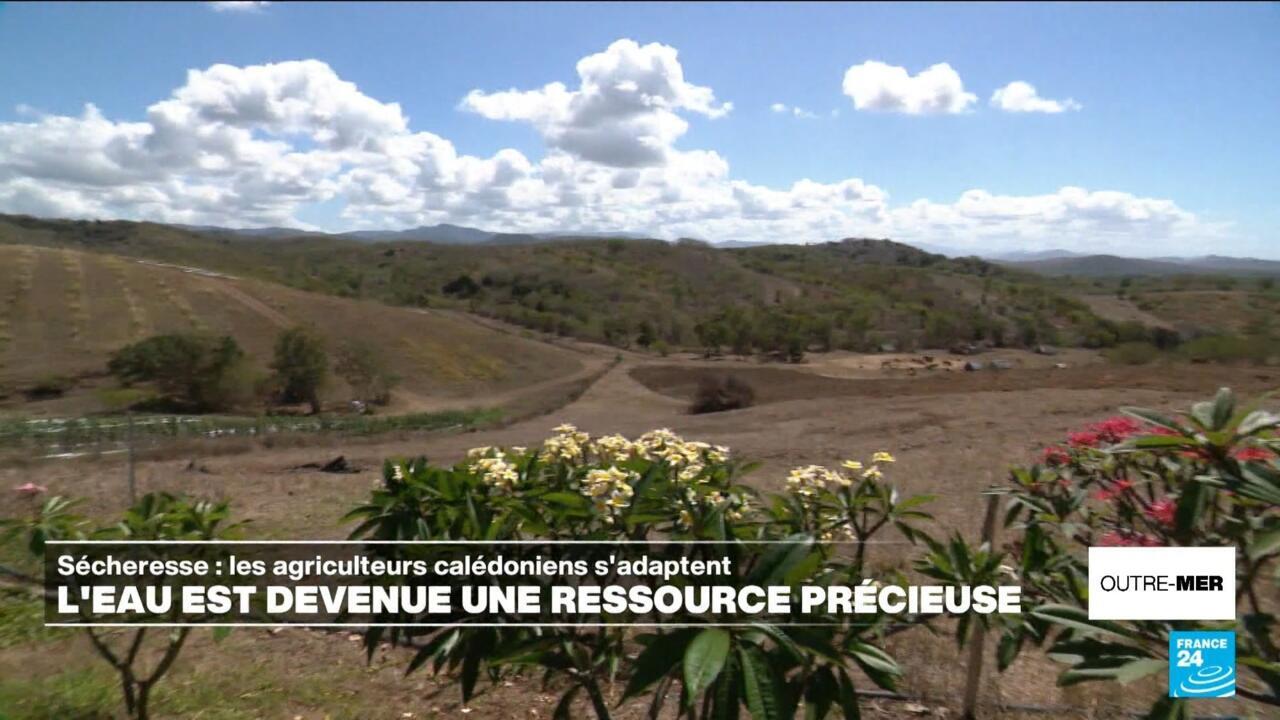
(953, 433)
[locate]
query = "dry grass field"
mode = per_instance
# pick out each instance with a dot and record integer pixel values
(62, 313)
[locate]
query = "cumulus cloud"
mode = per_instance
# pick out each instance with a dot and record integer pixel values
(238, 6)
(794, 111)
(1019, 96)
(624, 112)
(1098, 220)
(874, 85)
(255, 145)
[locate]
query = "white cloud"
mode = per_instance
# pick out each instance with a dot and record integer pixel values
(793, 111)
(232, 6)
(874, 85)
(1019, 96)
(1099, 221)
(255, 145)
(623, 113)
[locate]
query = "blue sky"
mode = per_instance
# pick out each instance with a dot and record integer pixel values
(1178, 106)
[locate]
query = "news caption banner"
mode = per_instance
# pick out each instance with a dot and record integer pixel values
(1174, 583)
(442, 583)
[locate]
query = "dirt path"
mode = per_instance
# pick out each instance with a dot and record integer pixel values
(268, 313)
(951, 440)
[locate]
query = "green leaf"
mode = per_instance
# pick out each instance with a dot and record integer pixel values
(573, 500)
(1224, 406)
(759, 687)
(877, 664)
(1265, 544)
(703, 660)
(1008, 648)
(724, 705)
(1152, 442)
(471, 671)
(1260, 482)
(657, 660)
(848, 697)
(1257, 421)
(1136, 669)
(221, 633)
(820, 694)
(779, 559)
(1154, 418)
(1078, 618)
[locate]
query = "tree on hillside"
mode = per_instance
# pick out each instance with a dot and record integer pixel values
(462, 286)
(301, 366)
(645, 335)
(617, 331)
(711, 335)
(204, 372)
(365, 371)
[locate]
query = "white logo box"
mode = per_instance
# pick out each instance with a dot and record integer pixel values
(1162, 583)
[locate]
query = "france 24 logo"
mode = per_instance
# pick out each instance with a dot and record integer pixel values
(1202, 664)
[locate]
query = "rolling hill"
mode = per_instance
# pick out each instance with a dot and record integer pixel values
(62, 312)
(854, 294)
(1115, 266)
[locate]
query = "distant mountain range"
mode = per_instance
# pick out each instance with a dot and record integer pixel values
(441, 234)
(1112, 265)
(1043, 262)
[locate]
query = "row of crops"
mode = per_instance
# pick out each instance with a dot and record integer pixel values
(61, 437)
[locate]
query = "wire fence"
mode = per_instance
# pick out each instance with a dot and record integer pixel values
(74, 437)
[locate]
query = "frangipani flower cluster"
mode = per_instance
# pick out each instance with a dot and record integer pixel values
(687, 483)
(494, 468)
(811, 480)
(568, 444)
(610, 491)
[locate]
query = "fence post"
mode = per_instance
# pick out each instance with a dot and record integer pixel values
(133, 488)
(978, 640)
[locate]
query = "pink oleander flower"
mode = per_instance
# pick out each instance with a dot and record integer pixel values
(1162, 511)
(1125, 538)
(1084, 438)
(1055, 456)
(1252, 454)
(1116, 429)
(1107, 432)
(30, 489)
(1113, 490)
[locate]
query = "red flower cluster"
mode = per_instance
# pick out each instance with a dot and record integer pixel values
(1055, 456)
(1113, 490)
(1108, 432)
(1127, 538)
(1252, 454)
(1162, 511)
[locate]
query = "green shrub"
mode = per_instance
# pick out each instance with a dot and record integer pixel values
(156, 516)
(657, 487)
(301, 365)
(49, 386)
(201, 371)
(1206, 477)
(365, 370)
(1230, 349)
(1132, 353)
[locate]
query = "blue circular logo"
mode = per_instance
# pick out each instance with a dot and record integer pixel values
(1210, 680)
